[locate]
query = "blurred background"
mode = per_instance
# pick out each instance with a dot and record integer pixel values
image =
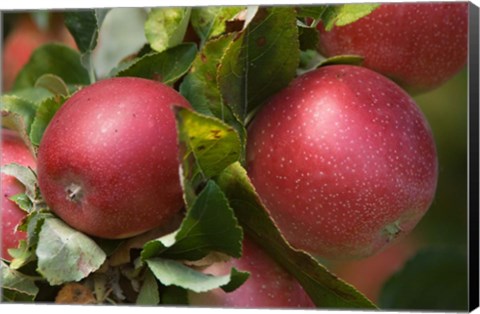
(23, 32)
(425, 270)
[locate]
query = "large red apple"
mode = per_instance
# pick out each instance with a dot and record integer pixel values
(13, 151)
(269, 285)
(108, 161)
(419, 45)
(344, 160)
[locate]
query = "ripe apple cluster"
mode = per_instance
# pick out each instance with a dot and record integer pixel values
(343, 159)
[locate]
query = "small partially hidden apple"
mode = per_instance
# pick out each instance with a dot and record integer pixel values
(13, 151)
(108, 161)
(344, 161)
(269, 285)
(419, 45)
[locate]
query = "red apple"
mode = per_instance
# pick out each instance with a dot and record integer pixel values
(107, 162)
(419, 45)
(344, 160)
(13, 151)
(269, 285)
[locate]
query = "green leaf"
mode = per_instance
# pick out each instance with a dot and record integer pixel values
(173, 295)
(343, 59)
(123, 35)
(170, 272)
(32, 94)
(200, 87)
(45, 112)
(260, 61)
(434, 279)
(22, 201)
(65, 254)
(324, 288)
(209, 225)
(148, 294)
(84, 26)
(56, 59)
(23, 174)
(166, 27)
(167, 66)
(311, 60)
(33, 226)
(311, 11)
(53, 83)
(211, 21)
(18, 114)
(15, 296)
(340, 15)
(212, 224)
(237, 279)
(21, 255)
(211, 144)
(17, 283)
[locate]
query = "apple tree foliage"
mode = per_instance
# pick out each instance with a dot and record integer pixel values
(238, 58)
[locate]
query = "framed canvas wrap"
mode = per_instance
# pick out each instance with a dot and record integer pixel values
(309, 156)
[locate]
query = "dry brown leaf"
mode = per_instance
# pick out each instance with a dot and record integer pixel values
(75, 293)
(211, 258)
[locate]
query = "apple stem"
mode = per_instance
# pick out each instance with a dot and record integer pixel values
(392, 230)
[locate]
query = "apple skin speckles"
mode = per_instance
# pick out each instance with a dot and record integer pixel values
(419, 45)
(108, 160)
(344, 161)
